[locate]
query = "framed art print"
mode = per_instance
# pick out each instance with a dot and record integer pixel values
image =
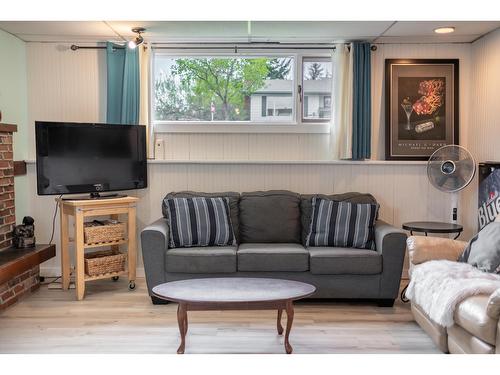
(421, 102)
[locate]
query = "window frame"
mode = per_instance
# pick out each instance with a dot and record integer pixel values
(302, 118)
(297, 125)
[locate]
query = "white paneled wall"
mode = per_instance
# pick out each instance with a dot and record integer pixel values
(483, 130)
(417, 51)
(70, 86)
(64, 85)
(179, 146)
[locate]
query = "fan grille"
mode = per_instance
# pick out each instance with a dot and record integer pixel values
(451, 168)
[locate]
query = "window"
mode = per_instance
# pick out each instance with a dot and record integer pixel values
(224, 89)
(215, 90)
(317, 89)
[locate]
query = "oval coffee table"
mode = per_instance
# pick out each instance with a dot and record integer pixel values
(234, 293)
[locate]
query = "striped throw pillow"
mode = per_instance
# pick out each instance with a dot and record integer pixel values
(199, 221)
(342, 224)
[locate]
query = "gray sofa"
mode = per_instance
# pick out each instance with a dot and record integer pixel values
(271, 228)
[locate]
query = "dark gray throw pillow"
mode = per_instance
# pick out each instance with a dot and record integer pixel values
(483, 251)
(306, 206)
(199, 221)
(342, 224)
(234, 200)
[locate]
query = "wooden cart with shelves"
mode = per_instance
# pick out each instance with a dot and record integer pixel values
(83, 210)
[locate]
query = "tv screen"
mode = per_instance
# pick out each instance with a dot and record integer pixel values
(89, 158)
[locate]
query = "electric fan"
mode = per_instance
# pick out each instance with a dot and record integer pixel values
(450, 169)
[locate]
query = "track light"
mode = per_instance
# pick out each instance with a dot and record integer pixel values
(138, 40)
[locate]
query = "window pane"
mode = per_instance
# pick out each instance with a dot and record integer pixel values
(253, 89)
(317, 89)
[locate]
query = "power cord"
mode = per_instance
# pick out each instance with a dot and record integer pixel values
(55, 278)
(54, 220)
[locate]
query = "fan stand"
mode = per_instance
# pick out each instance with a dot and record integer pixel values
(454, 207)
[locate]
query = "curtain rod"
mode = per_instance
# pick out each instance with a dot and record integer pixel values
(235, 47)
(74, 47)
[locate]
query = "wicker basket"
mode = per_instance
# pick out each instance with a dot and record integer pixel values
(104, 261)
(103, 231)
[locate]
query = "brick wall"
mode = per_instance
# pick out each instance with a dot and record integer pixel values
(7, 211)
(19, 286)
(12, 290)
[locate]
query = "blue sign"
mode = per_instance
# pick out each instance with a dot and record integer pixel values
(489, 199)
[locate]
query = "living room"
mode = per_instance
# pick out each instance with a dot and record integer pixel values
(301, 184)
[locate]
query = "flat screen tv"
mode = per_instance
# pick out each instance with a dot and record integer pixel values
(74, 158)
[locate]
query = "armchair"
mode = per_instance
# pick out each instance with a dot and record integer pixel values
(477, 327)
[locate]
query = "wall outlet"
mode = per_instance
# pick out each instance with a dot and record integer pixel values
(159, 149)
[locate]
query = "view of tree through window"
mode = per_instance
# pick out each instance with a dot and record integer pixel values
(254, 89)
(317, 87)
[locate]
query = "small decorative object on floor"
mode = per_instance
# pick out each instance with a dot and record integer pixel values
(23, 235)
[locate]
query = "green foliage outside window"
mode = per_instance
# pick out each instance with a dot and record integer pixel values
(213, 89)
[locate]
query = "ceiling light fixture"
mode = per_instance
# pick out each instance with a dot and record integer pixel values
(444, 30)
(138, 40)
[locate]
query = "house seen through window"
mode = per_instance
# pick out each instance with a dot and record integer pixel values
(317, 88)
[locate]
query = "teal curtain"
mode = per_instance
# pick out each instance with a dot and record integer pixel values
(361, 101)
(123, 85)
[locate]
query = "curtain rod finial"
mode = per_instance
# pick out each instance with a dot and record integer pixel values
(73, 47)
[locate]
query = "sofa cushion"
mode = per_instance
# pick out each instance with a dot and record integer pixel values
(234, 199)
(342, 224)
(344, 261)
(272, 257)
(306, 206)
(471, 315)
(270, 217)
(216, 259)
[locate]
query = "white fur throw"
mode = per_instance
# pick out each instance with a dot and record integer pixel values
(438, 286)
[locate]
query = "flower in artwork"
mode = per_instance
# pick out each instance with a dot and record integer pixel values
(432, 92)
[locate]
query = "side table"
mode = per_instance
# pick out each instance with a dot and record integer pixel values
(430, 227)
(81, 210)
(433, 227)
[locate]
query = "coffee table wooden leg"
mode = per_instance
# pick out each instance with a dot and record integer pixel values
(289, 321)
(278, 323)
(185, 323)
(182, 321)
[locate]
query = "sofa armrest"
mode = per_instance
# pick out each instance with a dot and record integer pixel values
(154, 243)
(493, 309)
(422, 249)
(391, 243)
(497, 345)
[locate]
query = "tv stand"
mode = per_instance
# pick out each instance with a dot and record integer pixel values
(95, 196)
(86, 209)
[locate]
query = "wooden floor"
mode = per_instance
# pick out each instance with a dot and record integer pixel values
(112, 319)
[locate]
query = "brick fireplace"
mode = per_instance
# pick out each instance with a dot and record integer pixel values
(7, 209)
(19, 268)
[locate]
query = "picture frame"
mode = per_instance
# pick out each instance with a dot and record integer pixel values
(421, 107)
